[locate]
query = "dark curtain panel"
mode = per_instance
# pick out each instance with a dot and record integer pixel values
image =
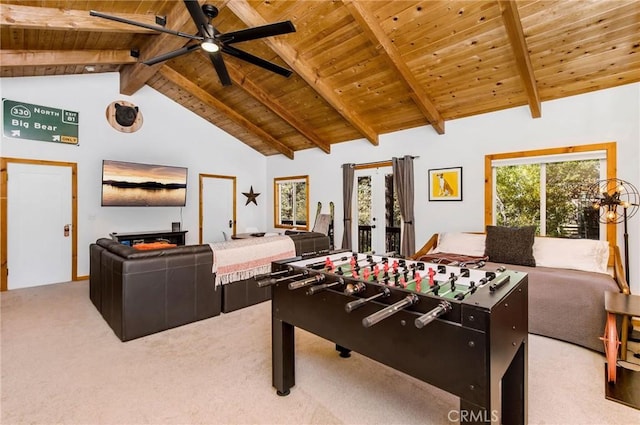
(347, 196)
(403, 180)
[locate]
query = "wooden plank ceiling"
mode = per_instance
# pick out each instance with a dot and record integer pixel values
(360, 68)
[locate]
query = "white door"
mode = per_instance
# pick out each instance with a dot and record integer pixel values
(369, 210)
(39, 205)
(218, 208)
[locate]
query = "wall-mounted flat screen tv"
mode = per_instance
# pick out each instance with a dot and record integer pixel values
(146, 185)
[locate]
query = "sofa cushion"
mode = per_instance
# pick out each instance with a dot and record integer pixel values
(576, 254)
(512, 245)
(471, 244)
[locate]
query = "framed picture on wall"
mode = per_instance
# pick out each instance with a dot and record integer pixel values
(445, 184)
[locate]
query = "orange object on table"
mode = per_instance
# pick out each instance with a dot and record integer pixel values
(153, 245)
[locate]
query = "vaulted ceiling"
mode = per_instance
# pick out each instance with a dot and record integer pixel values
(360, 68)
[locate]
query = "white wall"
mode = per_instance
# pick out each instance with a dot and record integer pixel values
(170, 135)
(602, 116)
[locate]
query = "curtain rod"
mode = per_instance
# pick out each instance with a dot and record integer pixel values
(370, 164)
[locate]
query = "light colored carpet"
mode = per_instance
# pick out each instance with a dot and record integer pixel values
(62, 364)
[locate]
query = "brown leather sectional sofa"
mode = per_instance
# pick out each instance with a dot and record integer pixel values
(143, 292)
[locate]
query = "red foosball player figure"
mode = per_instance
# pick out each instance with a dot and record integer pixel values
(403, 282)
(328, 264)
(366, 273)
(395, 266)
(376, 272)
(432, 273)
(418, 282)
(354, 273)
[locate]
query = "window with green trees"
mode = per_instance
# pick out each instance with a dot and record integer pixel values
(291, 200)
(550, 195)
(548, 188)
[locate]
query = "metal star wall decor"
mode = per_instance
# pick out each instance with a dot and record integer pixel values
(251, 196)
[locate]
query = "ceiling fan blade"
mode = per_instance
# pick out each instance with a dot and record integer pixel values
(248, 57)
(257, 32)
(221, 68)
(171, 55)
(198, 16)
(143, 25)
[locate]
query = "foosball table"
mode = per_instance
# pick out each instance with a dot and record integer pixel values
(411, 316)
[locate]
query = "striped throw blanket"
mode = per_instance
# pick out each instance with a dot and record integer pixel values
(244, 258)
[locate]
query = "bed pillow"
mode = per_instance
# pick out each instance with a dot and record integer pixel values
(577, 254)
(510, 245)
(471, 244)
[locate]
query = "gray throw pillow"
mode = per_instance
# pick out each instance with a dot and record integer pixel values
(511, 245)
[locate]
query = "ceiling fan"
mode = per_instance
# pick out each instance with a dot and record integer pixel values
(212, 41)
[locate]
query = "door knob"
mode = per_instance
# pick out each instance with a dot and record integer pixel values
(66, 230)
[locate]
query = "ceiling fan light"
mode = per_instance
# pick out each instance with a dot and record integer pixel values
(210, 46)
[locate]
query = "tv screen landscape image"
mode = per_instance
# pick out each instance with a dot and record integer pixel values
(146, 185)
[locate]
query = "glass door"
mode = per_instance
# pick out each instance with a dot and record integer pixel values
(376, 211)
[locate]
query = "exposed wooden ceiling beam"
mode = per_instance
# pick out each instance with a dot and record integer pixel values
(247, 14)
(48, 18)
(134, 77)
(513, 26)
(9, 58)
(369, 24)
(240, 120)
(239, 78)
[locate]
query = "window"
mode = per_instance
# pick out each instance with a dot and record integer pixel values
(291, 202)
(547, 188)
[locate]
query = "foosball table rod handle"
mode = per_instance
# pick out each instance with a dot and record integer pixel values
(388, 311)
(306, 282)
(271, 274)
(429, 317)
(350, 306)
(499, 282)
(273, 280)
(318, 288)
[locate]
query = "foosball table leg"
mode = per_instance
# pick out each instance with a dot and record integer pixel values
(344, 352)
(283, 356)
